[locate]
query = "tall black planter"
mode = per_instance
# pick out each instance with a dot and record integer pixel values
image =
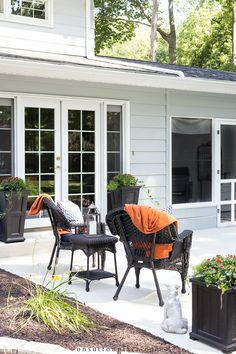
(213, 316)
(122, 196)
(13, 209)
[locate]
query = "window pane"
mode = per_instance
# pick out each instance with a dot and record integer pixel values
(74, 184)
(47, 118)
(5, 163)
(228, 152)
(74, 119)
(88, 162)
(88, 183)
(5, 116)
(74, 141)
(88, 141)
(31, 140)
(33, 184)
(113, 162)
(225, 191)
(47, 141)
(74, 162)
(31, 118)
(191, 160)
(30, 8)
(113, 141)
(47, 163)
(5, 140)
(47, 184)
(225, 213)
(113, 121)
(1, 6)
(88, 120)
(31, 163)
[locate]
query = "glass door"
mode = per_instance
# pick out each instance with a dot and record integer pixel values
(41, 163)
(81, 146)
(227, 174)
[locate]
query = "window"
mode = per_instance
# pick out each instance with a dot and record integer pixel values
(6, 132)
(191, 160)
(29, 8)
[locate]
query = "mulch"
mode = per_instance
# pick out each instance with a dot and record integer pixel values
(110, 333)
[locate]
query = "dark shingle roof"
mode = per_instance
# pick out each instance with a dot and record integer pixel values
(188, 71)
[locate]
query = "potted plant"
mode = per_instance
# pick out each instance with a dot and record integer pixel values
(124, 189)
(214, 302)
(13, 204)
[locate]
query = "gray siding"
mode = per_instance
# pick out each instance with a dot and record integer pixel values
(150, 113)
(66, 36)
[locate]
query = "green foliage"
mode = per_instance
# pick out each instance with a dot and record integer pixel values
(219, 271)
(115, 21)
(12, 184)
(122, 180)
(205, 39)
(51, 308)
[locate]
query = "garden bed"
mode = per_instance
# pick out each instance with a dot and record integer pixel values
(110, 333)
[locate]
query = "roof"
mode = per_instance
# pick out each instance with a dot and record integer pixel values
(188, 71)
(120, 64)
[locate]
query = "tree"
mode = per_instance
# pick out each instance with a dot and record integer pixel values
(116, 20)
(206, 38)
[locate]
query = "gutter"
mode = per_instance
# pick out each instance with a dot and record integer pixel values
(74, 72)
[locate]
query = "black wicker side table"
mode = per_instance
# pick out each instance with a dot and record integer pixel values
(91, 244)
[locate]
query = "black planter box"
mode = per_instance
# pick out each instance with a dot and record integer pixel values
(122, 196)
(213, 316)
(13, 207)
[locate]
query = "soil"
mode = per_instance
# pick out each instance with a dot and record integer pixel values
(110, 334)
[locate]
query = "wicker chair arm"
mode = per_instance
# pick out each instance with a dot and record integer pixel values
(184, 234)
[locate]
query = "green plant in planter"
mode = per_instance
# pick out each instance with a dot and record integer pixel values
(12, 184)
(122, 180)
(219, 271)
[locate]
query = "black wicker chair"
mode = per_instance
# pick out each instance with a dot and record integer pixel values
(89, 244)
(140, 248)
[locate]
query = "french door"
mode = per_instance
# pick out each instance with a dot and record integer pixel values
(60, 148)
(227, 173)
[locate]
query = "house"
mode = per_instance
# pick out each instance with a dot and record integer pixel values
(69, 120)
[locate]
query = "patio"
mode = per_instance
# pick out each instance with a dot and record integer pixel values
(138, 307)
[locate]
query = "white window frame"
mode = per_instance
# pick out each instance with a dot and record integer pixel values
(213, 202)
(8, 16)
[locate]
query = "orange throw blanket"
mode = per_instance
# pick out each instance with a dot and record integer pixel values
(148, 221)
(37, 205)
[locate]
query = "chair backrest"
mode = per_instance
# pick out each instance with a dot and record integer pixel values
(138, 246)
(57, 218)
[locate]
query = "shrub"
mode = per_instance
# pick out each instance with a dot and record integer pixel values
(122, 180)
(12, 184)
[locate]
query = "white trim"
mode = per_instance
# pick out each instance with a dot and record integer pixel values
(26, 67)
(8, 16)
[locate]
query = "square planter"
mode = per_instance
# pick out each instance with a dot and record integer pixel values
(13, 207)
(213, 316)
(124, 195)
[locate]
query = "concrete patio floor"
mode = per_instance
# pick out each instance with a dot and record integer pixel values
(138, 307)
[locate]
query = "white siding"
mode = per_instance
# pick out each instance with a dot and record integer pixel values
(150, 113)
(66, 36)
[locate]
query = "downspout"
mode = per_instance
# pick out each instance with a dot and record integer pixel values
(89, 29)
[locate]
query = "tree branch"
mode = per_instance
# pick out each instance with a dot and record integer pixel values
(138, 4)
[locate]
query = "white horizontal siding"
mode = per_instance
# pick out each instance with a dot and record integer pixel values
(66, 36)
(149, 158)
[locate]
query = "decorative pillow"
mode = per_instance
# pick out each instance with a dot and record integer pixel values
(71, 211)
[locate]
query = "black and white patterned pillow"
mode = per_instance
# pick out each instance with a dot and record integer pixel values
(71, 211)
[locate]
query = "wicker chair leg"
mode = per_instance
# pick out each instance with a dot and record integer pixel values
(71, 266)
(116, 271)
(49, 267)
(115, 297)
(56, 261)
(87, 271)
(161, 302)
(137, 273)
